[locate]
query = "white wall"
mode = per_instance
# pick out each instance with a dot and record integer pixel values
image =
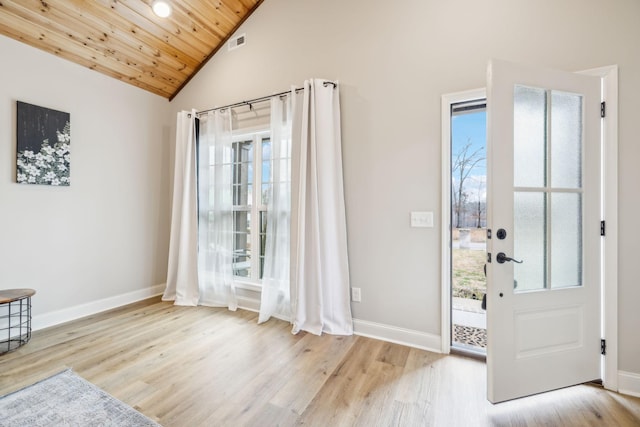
(394, 60)
(107, 234)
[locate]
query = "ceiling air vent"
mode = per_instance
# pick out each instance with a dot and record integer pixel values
(237, 41)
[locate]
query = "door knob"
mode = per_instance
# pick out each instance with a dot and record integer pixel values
(502, 258)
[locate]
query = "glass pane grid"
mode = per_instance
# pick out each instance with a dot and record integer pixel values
(242, 243)
(242, 172)
(547, 189)
(249, 164)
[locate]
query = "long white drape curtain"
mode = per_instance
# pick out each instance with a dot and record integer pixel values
(275, 298)
(320, 286)
(182, 272)
(215, 210)
(306, 268)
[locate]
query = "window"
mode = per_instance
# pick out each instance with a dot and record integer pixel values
(251, 166)
(244, 174)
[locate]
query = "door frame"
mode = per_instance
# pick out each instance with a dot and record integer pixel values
(609, 275)
(448, 100)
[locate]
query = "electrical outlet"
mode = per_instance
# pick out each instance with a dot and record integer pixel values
(355, 295)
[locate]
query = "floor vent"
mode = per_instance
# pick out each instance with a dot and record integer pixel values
(237, 42)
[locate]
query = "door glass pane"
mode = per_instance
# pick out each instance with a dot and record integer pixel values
(529, 241)
(566, 240)
(566, 140)
(529, 136)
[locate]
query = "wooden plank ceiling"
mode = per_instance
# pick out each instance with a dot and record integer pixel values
(124, 39)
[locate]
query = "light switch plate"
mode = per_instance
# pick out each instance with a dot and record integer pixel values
(422, 219)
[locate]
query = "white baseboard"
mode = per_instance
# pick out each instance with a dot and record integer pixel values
(629, 383)
(53, 318)
(408, 337)
(249, 304)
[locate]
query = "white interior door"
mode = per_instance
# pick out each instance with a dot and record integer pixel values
(543, 146)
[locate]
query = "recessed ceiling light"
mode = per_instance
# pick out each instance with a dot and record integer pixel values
(162, 8)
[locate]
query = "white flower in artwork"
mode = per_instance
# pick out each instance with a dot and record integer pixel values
(63, 137)
(33, 170)
(50, 165)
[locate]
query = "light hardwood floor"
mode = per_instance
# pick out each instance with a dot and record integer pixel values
(210, 367)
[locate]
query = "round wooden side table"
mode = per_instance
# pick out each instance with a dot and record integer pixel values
(15, 318)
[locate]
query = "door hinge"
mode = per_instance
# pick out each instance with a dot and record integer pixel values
(603, 109)
(602, 228)
(488, 256)
(488, 233)
(603, 347)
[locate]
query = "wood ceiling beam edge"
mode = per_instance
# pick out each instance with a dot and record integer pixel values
(123, 39)
(222, 43)
(45, 47)
(50, 19)
(92, 61)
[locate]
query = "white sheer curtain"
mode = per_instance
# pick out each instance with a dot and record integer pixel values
(275, 298)
(215, 204)
(320, 268)
(182, 272)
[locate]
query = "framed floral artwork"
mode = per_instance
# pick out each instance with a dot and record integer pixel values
(44, 140)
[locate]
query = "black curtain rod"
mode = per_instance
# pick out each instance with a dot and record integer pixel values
(264, 98)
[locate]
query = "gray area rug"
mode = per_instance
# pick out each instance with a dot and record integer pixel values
(66, 399)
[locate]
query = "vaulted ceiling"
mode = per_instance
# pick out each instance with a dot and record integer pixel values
(124, 39)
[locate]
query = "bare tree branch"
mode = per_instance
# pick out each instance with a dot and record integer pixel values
(462, 166)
